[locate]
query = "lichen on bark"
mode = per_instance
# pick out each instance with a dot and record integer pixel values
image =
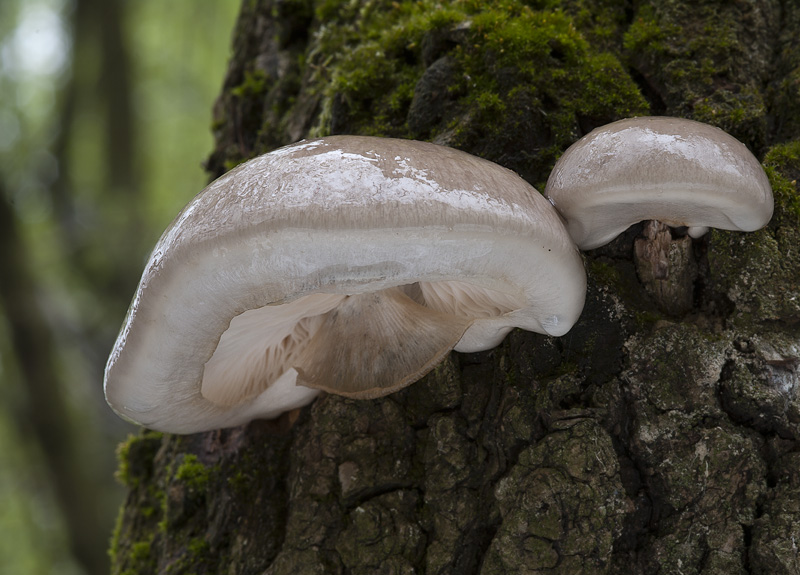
(647, 440)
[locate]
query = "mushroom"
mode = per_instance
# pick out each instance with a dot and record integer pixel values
(679, 172)
(345, 264)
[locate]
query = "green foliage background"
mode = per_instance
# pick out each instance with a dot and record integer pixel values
(105, 117)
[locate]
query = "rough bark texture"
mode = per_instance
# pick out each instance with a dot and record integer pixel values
(648, 440)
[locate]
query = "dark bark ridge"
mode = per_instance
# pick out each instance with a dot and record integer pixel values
(650, 439)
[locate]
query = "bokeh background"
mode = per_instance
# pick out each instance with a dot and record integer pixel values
(105, 119)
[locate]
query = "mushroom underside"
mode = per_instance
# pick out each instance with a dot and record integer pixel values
(597, 225)
(362, 346)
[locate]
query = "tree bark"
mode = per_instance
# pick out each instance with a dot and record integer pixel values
(651, 439)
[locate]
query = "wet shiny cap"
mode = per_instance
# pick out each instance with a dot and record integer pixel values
(679, 172)
(347, 264)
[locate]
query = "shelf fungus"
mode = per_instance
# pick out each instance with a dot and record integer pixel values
(671, 173)
(679, 172)
(346, 264)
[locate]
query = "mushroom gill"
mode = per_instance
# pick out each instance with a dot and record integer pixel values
(363, 345)
(260, 345)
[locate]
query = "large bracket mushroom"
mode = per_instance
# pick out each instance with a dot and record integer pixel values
(346, 264)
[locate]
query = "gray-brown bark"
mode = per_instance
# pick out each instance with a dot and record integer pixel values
(641, 442)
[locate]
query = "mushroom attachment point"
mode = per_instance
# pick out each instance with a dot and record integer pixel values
(679, 172)
(346, 264)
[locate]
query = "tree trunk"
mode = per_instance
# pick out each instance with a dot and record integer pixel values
(648, 440)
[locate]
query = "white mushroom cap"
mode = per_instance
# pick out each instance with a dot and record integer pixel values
(347, 264)
(676, 171)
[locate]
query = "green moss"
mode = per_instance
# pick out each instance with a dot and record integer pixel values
(148, 511)
(529, 78)
(139, 559)
(785, 155)
(194, 559)
(113, 548)
(255, 82)
(193, 473)
(729, 110)
(136, 472)
(508, 54)
(785, 78)
(602, 22)
(123, 473)
(135, 456)
(648, 35)
(232, 163)
(140, 552)
(551, 63)
(239, 481)
(692, 56)
(185, 492)
(782, 163)
(378, 63)
(198, 545)
(163, 524)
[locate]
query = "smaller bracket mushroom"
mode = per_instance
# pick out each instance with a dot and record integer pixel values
(671, 172)
(679, 172)
(346, 264)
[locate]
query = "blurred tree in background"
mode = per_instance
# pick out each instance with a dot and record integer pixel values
(104, 118)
